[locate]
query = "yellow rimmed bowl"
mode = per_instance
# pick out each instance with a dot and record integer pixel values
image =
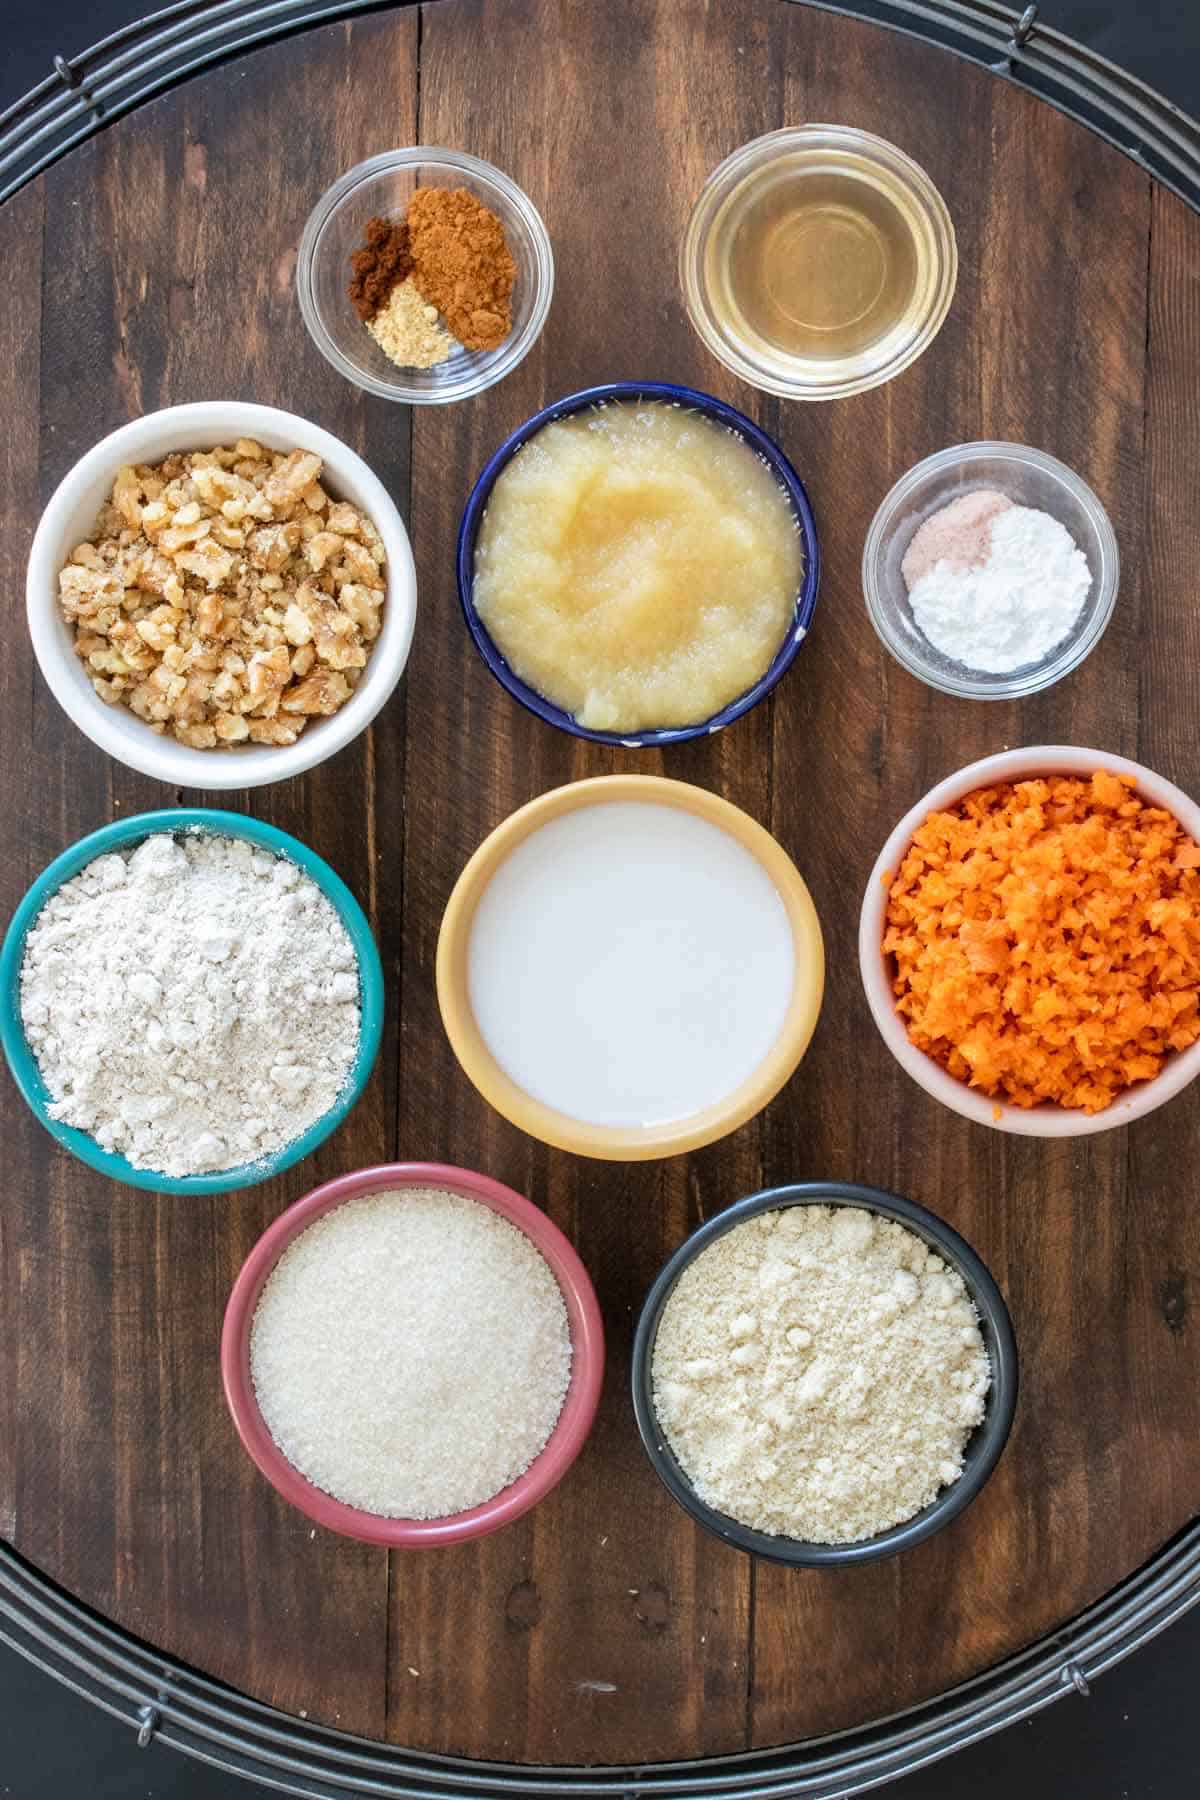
(621, 1142)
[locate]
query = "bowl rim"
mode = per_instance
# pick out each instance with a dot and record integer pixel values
(609, 1142)
(1047, 1120)
(722, 180)
(162, 758)
(475, 380)
(670, 393)
(570, 1431)
(992, 1432)
(1075, 649)
(123, 834)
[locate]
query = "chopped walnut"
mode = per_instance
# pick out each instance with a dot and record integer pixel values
(225, 597)
(275, 731)
(323, 692)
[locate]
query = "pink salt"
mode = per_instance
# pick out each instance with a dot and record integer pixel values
(960, 534)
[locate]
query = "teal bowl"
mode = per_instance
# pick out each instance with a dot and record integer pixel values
(121, 835)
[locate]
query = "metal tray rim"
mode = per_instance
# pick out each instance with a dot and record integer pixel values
(83, 93)
(161, 1698)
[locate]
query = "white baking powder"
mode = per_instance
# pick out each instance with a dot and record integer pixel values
(193, 1005)
(817, 1372)
(1016, 605)
(411, 1353)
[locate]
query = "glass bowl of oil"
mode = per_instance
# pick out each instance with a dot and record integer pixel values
(818, 261)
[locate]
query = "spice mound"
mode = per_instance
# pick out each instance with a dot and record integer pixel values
(407, 329)
(225, 597)
(992, 585)
(638, 565)
(462, 264)
(411, 1353)
(1045, 940)
(440, 279)
(384, 260)
(818, 1373)
(193, 1005)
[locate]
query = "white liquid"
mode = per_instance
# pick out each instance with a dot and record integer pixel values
(630, 964)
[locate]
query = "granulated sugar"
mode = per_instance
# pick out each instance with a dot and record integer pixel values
(193, 1005)
(817, 1372)
(411, 1353)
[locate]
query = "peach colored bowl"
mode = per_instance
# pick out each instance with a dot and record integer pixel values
(1038, 1121)
(565, 1441)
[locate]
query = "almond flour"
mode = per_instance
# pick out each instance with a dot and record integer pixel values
(818, 1372)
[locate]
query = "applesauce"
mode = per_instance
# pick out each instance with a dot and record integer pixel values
(638, 564)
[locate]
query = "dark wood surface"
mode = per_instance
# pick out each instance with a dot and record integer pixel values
(154, 266)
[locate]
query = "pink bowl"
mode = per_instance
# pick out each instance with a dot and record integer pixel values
(565, 1441)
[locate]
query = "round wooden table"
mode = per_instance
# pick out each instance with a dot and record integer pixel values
(155, 265)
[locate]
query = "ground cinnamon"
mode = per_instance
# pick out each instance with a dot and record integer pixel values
(384, 261)
(462, 264)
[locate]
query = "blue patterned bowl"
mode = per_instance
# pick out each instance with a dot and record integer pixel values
(721, 414)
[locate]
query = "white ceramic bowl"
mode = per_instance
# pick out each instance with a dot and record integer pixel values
(71, 515)
(1039, 1121)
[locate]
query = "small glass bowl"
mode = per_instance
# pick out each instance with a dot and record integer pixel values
(823, 151)
(1029, 477)
(382, 187)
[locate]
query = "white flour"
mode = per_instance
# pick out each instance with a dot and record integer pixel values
(193, 1005)
(1013, 608)
(818, 1371)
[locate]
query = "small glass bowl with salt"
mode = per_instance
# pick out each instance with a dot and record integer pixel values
(1028, 478)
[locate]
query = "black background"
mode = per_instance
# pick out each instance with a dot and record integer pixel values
(1133, 1739)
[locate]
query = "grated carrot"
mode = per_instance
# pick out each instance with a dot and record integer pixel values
(1045, 939)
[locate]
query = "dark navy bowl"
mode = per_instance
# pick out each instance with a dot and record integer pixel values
(983, 1448)
(758, 441)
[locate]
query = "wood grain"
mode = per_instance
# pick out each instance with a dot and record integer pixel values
(132, 1489)
(1163, 1253)
(20, 357)
(876, 740)
(604, 1627)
